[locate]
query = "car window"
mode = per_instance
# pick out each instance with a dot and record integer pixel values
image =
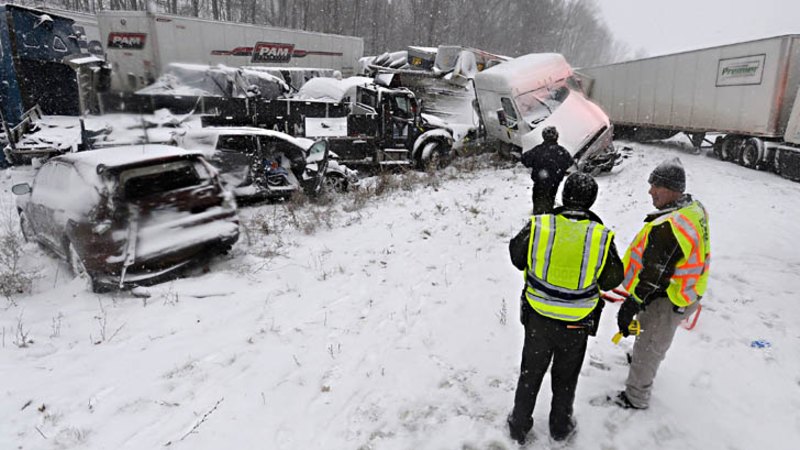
(237, 143)
(317, 151)
(367, 97)
(141, 182)
(82, 196)
(42, 182)
(202, 140)
(535, 106)
(401, 107)
(508, 109)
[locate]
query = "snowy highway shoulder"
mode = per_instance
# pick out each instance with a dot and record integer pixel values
(394, 325)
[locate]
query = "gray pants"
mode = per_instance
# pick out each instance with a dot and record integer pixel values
(659, 322)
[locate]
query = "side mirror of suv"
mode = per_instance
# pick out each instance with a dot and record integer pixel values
(21, 189)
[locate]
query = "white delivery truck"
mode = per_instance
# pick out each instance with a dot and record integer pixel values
(519, 98)
(746, 92)
(141, 44)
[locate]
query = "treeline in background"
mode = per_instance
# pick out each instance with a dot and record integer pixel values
(573, 28)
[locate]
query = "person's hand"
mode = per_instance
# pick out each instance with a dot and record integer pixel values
(625, 315)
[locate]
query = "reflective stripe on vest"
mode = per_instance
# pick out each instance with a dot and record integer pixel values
(565, 258)
(688, 283)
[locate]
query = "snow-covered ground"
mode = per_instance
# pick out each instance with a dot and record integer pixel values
(396, 328)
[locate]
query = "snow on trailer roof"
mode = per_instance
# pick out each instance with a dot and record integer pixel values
(524, 74)
(331, 88)
(87, 162)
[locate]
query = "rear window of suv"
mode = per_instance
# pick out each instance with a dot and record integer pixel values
(142, 182)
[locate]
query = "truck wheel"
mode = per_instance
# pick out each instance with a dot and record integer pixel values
(776, 161)
(752, 153)
(436, 158)
(718, 142)
(730, 148)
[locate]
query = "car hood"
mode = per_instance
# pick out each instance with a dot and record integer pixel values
(577, 121)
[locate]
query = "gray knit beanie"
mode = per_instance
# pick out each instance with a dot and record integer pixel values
(669, 174)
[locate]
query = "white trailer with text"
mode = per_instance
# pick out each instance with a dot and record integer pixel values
(140, 45)
(745, 92)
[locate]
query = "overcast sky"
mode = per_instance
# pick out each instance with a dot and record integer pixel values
(668, 26)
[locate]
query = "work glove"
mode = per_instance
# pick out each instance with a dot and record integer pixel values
(625, 315)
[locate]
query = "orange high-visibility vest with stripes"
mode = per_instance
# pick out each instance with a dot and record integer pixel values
(688, 283)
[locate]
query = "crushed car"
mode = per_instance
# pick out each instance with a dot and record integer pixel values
(263, 164)
(128, 216)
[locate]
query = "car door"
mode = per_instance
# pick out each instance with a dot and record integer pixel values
(235, 153)
(317, 164)
(39, 204)
(56, 203)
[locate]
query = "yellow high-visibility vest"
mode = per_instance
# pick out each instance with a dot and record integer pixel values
(690, 227)
(565, 257)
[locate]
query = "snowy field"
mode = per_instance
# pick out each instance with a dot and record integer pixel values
(395, 326)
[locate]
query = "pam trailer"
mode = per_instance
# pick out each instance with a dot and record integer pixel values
(141, 44)
(747, 93)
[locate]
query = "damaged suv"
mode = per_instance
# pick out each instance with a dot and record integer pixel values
(266, 164)
(124, 216)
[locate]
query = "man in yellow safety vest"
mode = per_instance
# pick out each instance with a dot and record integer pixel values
(567, 256)
(666, 271)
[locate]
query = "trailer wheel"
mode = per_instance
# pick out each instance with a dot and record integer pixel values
(776, 161)
(752, 153)
(731, 148)
(718, 142)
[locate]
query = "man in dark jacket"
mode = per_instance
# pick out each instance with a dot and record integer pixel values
(549, 163)
(567, 256)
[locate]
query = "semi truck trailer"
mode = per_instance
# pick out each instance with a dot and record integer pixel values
(746, 93)
(141, 44)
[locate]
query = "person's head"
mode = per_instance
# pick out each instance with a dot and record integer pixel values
(580, 191)
(550, 134)
(667, 182)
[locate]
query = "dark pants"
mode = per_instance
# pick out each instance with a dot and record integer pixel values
(544, 197)
(546, 340)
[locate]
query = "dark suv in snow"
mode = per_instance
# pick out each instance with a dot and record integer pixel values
(126, 215)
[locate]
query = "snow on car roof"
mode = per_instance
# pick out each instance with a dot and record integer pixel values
(243, 131)
(87, 162)
(524, 74)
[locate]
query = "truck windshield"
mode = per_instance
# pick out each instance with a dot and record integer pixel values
(535, 106)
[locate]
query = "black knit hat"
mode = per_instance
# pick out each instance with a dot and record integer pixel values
(550, 134)
(669, 174)
(580, 191)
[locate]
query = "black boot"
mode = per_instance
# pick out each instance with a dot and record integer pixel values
(515, 432)
(567, 432)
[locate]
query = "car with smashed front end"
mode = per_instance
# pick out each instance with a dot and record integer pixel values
(265, 164)
(128, 216)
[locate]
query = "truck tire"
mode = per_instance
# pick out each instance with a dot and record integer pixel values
(776, 161)
(731, 148)
(718, 146)
(752, 153)
(437, 156)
